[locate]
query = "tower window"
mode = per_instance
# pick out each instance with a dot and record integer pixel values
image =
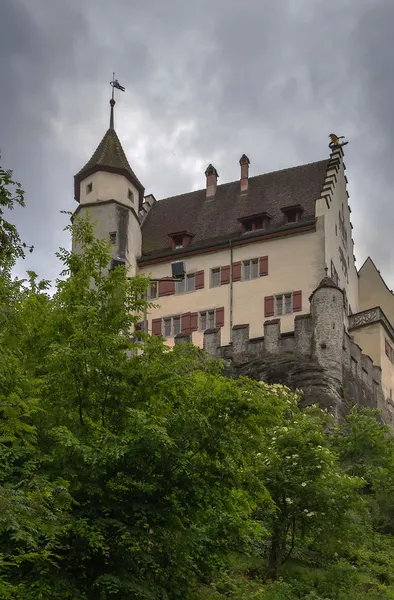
(130, 195)
(89, 188)
(112, 237)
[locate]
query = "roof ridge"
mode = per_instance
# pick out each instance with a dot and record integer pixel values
(221, 185)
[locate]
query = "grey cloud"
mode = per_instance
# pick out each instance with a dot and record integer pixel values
(206, 81)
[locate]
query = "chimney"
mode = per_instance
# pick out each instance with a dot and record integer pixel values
(212, 181)
(244, 162)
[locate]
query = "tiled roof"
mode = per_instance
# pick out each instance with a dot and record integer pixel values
(109, 153)
(108, 156)
(217, 218)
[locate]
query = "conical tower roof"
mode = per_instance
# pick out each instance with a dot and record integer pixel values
(109, 156)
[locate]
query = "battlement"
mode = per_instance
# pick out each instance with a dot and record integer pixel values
(335, 371)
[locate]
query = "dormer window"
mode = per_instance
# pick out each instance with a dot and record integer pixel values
(89, 188)
(180, 239)
(255, 222)
(292, 213)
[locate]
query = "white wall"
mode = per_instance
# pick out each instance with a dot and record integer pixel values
(333, 238)
(108, 186)
(295, 263)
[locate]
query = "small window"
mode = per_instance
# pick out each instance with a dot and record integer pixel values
(180, 286)
(284, 304)
(112, 237)
(191, 282)
(167, 327)
(292, 216)
(188, 284)
(207, 320)
(178, 242)
(176, 325)
(215, 277)
(89, 188)
(130, 195)
(251, 269)
(152, 291)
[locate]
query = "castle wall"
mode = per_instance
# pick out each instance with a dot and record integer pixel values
(335, 382)
(108, 186)
(294, 263)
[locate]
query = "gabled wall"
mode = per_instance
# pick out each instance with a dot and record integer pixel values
(332, 207)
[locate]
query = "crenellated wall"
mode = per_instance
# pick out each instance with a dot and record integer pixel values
(319, 357)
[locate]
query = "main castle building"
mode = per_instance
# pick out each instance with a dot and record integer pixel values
(253, 250)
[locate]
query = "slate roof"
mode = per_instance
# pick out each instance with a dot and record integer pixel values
(108, 156)
(217, 219)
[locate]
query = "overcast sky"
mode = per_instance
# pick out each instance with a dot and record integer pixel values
(205, 82)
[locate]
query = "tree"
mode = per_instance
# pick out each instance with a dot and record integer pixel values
(313, 497)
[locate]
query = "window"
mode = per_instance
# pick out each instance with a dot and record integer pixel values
(112, 237)
(251, 269)
(176, 325)
(180, 286)
(167, 327)
(130, 195)
(255, 222)
(152, 290)
(172, 326)
(188, 284)
(292, 213)
(284, 304)
(334, 274)
(292, 216)
(207, 320)
(215, 277)
(89, 188)
(389, 351)
(178, 242)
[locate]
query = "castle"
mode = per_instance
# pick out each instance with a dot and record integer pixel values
(253, 252)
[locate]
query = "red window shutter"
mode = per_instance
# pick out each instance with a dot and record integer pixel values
(199, 280)
(194, 321)
(263, 266)
(185, 323)
(237, 271)
(225, 275)
(219, 317)
(297, 301)
(156, 327)
(269, 309)
(166, 287)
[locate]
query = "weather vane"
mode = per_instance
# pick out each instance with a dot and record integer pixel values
(337, 140)
(115, 84)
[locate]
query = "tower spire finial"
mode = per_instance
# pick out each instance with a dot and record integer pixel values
(115, 84)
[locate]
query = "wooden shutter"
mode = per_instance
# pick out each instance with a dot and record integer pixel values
(199, 280)
(237, 271)
(269, 308)
(219, 317)
(166, 287)
(297, 301)
(185, 323)
(225, 275)
(156, 327)
(263, 265)
(194, 321)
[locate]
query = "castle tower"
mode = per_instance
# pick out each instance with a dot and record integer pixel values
(108, 188)
(327, 310)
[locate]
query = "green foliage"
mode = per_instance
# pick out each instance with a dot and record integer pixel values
(133, 471)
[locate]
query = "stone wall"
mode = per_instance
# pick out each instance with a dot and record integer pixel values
(319, 357)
